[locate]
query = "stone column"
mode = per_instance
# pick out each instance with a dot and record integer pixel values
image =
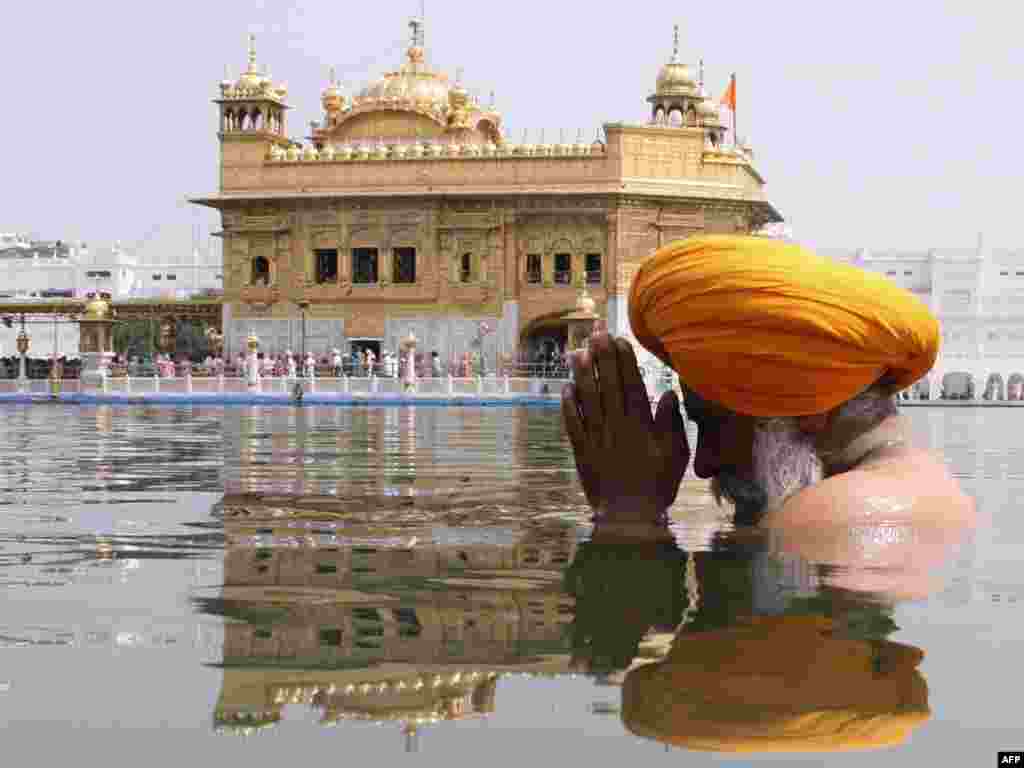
(252, 363)
(547, 261)
(97, 346)
(168, 340)
(23, 345)
(408, 348)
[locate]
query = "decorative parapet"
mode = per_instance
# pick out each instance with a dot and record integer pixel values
(429, 151)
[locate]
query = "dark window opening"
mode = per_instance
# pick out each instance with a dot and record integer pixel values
(907, 274)
(157, 278)
(563, 268)
(326, 265)
(260, 271)
(322, 568)
(466, 268)
(533, 268)
(593, 269)
(404, 262)
(364, 265)
(262, 634)
(170, 276)
(330, 637)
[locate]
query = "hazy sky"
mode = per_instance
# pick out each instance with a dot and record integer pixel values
(887, 125)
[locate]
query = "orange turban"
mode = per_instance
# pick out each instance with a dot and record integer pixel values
(778, 684)
(767, 328)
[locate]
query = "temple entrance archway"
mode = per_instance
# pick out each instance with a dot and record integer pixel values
(957, 385)
(544, 340)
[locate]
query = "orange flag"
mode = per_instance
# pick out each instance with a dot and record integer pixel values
(729, 97)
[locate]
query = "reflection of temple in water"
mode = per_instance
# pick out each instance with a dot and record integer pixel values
(390, 456)
(368, 631)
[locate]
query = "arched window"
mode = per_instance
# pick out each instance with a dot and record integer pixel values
(675, 117)
(260, 271)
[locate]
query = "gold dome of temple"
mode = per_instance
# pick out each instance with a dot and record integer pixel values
(414, 85)
(413, 102)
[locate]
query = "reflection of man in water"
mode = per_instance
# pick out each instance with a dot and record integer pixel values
(790, 363)
(623, 591)
(769, 660)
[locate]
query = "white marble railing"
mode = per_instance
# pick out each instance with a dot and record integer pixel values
(449, 386)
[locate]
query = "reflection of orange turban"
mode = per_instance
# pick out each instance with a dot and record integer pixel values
(777, 685)
(766, 328)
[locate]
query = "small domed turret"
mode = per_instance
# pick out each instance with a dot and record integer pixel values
(675, 91)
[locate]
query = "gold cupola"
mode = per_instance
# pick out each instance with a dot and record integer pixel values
(708, 111)
(333, 101)
(675, 78)
(413, 103)
(253, 103)
(676, 91)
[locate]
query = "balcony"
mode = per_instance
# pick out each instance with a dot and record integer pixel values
(260, 294)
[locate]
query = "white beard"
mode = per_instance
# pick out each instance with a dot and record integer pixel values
(785, 460)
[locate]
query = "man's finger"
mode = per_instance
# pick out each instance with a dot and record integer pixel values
(571, 418)
(638, 404)
(669, 424)
(588, 398)
(606, 360)
(589, 476)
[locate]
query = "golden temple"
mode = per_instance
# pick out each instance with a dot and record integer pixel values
(408, 209)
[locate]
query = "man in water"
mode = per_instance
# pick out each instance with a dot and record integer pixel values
(790, 364)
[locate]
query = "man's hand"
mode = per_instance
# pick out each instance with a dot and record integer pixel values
(630, 465)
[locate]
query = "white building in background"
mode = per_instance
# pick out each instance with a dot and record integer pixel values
(38, 270)
(978, 297)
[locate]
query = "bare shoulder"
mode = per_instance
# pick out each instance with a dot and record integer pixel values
(913, 487)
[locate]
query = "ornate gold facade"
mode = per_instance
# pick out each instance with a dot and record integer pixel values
(409, 209)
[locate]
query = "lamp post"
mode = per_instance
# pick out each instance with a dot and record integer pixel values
(582, 322)
(297, 391)
(252, 372)
(482, 331)
(408, 348)
(23, 344)
(96, 342)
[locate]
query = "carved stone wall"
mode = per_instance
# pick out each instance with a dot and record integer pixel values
(442, 309)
